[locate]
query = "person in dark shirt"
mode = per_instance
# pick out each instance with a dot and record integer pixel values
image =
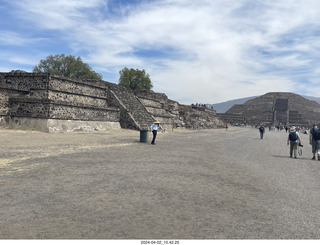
(261, 130)
(314, 142)
(294, 139)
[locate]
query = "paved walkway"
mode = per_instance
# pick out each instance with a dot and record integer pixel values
(209, 184)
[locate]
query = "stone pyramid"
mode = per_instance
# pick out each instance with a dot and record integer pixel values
(276, 108)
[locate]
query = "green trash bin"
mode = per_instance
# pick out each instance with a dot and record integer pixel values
(143, 135)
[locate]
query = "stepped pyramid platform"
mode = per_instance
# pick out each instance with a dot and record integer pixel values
(275, 108)
(134, 114)
(45, 102)
(50, 103)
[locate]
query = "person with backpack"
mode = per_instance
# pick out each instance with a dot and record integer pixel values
(314, 141)
(293, 138)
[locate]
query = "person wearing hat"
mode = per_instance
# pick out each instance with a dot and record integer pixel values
(154, 129)
(293, 138)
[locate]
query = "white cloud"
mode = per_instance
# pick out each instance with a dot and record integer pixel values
(212, 50)
(58, 14)
(10, 38)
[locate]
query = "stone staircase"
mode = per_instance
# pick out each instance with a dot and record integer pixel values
(133, 113)
(173, 115)
(159, 109)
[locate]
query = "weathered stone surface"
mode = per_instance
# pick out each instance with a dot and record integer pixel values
(58, 126)
(46, 96)
(27, 97)
(199, 118)
(133, 114)
(274, 109)
(174, 115)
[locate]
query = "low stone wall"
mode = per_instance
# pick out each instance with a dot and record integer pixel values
(59, 126)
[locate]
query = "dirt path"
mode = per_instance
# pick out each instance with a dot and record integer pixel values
(210, 184)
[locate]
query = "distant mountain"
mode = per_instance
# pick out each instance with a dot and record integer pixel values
(317, 99)
(224, 106)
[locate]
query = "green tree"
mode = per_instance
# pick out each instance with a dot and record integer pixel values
(135, 79)
(67, 66)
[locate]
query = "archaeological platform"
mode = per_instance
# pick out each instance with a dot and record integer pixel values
(50, 103)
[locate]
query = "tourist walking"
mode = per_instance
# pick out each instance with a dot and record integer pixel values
(294, 139)
(261, 130)
(314, 141)
(154, 129)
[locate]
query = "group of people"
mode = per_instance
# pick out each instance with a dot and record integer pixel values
(294, 140)
(203, 105)
(200, 105)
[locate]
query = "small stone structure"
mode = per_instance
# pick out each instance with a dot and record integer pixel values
(274, 109)
(200, 117)
(50, 103)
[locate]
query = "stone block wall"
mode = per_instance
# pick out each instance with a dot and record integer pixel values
(295, 118)
(163, 109)
(29, 107)
(56, 97)
(133, 114)
(5, 95)
(156, 108)
(173, 115)
(56, 104)
(79, 100)
(46, 96)
(232, 118)
(200, 118)
(10, 87)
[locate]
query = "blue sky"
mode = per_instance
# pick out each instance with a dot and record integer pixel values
(205, 51)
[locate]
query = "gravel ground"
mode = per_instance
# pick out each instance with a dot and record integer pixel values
(208, 184)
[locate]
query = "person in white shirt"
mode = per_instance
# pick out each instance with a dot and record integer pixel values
(154, 129)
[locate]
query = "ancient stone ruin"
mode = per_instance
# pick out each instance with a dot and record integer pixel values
(274, 109)
(50, 103)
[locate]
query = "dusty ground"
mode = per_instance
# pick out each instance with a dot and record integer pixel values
(209, 184)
